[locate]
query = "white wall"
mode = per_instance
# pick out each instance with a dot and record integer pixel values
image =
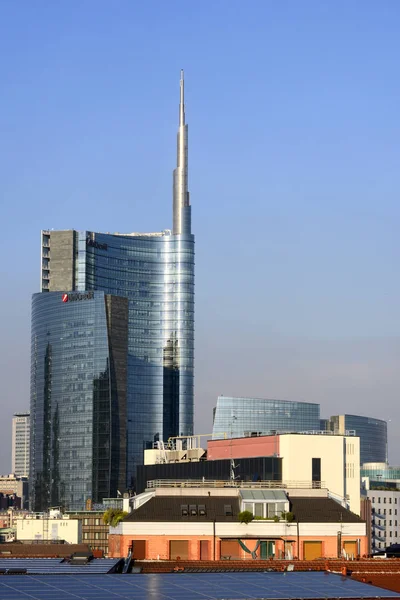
(235, 529)
(340, 462)
(50, 529)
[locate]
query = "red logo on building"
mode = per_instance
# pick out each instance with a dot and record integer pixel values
(64, 297)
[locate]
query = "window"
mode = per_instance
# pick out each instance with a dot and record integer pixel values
(228, 510)
(258, 509)
(316, 469)
(384, 511)
(390, 501)
(384, 500)
(379, 500)
(86, 521)
(86, 535)
(390, 522)
(390, 511)
(373, 499)
(97, 522)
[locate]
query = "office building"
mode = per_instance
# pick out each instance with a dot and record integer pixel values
(78, 398)
(154, 273)
(372, 433)
(308, 460)
(378, 474)
(20, 444)
(238, 417)
(385, 525)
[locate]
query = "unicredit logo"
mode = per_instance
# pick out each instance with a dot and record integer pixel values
(75, 296)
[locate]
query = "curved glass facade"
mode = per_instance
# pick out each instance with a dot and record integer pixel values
(156, 273)
(372, 433)
(238, 417)
(78, 398)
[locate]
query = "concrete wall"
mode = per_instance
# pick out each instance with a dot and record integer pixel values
(340, 463)
(62, 261)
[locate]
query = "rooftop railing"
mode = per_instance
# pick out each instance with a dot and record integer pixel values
(254, 485)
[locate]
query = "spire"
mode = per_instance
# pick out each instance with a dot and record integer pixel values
(182, 101)
(181, 204)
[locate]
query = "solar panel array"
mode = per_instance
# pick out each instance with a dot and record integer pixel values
(54, 566)
(181, 586)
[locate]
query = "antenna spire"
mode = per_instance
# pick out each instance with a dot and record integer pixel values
(182, 101)
(181, 201)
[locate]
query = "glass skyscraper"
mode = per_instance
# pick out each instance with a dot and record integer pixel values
(78, 398)
(238, 417)
(154, 272)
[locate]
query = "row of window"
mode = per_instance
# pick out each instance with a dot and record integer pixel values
(384, 500)
(102, 535)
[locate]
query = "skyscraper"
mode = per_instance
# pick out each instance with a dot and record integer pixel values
(154, 272)
(20, 445)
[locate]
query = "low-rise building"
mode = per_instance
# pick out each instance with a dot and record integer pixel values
(49, 528)
(202, 523)
(94, 531)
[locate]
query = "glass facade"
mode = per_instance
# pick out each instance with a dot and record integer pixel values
(156, 274)
(372, 433)
(77, 398)
(238, 417)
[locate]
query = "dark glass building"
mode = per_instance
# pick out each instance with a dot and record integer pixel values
(238, 417)
(154, 272)
(259, 468)
(78, 398)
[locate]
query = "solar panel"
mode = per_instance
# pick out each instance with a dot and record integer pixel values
(57, 565)
(184, 586)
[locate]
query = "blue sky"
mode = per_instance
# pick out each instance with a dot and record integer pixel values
(294, 152)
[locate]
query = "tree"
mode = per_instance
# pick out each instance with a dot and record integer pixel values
(113, 516)
(245, 516)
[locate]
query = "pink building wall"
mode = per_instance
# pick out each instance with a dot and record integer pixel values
(248, 447)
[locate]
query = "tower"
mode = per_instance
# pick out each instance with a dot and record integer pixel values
(154, 274)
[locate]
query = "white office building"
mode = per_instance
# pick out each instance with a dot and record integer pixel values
(20, 444)
(385, 524)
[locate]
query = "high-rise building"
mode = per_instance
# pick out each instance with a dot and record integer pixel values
(20, 444)
(154, 272)
(78, 398)
(372, 433)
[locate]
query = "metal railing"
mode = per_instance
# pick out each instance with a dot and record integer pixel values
(213, 483)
